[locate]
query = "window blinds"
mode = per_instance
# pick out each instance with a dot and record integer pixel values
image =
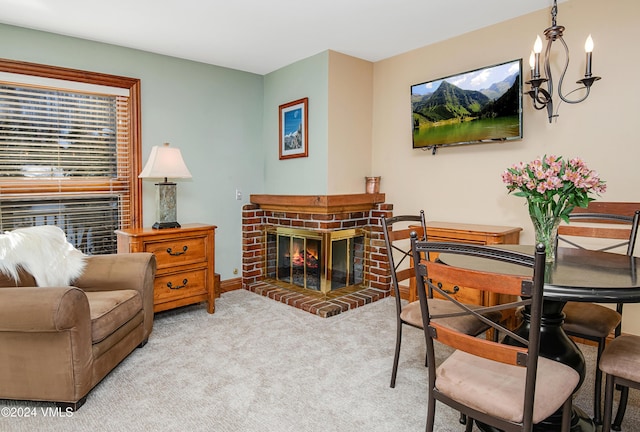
(65, 159)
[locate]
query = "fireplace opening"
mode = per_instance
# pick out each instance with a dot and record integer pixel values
(317, 261)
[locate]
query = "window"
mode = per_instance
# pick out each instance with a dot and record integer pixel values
(69, 152)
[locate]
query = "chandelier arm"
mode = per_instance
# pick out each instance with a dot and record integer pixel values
(547, 67)
(541, 96)
(566, 66)
(586, 95)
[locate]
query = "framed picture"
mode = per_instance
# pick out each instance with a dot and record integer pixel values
(294, 121)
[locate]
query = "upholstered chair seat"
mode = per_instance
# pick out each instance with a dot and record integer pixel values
(620, 363)
(467, 379)
(590, 319)
(412, 315)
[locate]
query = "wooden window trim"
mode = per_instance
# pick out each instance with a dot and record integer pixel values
(132, 84)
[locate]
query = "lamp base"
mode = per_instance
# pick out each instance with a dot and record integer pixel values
(166, 206)
(163, 225)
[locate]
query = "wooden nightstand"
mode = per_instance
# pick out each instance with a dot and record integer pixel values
(186, 264)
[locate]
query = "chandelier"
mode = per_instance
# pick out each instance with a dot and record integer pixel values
(542, 98)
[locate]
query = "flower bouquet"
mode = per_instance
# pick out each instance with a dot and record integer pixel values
(553, 187)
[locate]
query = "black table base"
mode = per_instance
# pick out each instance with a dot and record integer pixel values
(580, 422)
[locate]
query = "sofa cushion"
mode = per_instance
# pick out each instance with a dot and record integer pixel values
(110, 310)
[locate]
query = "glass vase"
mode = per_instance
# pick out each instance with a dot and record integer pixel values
(546, 230)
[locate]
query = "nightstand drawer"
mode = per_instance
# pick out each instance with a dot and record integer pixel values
(178, 251)
(179, 285)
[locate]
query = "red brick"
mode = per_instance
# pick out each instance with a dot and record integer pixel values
(322, 217)
(252, 273)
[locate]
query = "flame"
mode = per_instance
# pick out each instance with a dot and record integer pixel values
(309, 257)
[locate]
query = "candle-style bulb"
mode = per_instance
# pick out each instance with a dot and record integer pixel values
(532, 60)
(537, 46)
(588, 45)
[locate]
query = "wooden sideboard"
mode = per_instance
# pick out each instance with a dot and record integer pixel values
(186, 264)
(473, 234)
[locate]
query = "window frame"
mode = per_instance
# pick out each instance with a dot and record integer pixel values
(132, 84)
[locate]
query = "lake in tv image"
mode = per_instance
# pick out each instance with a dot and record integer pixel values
(483, 105)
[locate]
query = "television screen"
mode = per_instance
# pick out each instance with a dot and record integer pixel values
(479, 106)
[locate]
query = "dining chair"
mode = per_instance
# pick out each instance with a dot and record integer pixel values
(617, 224)
(621, 365)
(504, 386)
(398, 248)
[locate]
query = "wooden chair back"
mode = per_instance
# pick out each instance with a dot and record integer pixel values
(614, 221)
(522, 350)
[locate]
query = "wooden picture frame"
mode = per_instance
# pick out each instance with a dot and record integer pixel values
(294, 129)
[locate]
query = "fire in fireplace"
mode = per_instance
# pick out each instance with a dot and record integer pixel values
(318, 261)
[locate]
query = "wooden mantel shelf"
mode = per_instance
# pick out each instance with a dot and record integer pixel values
(321, 204)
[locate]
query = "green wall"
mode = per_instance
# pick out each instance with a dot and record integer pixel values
(213, 114)
(306, 78)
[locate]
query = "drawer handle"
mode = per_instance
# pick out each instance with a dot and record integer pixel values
(184, 250)
(184, 284)
(456, 288)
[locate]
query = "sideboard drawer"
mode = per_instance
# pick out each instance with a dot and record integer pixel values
(178, 251)
(462, 294)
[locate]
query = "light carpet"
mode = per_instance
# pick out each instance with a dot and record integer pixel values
(257, 365)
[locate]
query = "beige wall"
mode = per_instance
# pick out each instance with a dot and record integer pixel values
(463, 183)
(350, 127)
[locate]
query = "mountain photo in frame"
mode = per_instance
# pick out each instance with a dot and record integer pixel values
(480, 106)
(294, 120)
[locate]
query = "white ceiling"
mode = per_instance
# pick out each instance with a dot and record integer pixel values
(261, 36)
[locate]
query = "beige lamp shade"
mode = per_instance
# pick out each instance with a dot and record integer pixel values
(165, 162)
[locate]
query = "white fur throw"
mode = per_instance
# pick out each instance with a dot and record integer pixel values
(44, 252)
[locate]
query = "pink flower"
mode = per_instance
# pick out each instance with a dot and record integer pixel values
(557, 186)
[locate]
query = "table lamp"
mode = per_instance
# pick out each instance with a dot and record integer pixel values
(165, 162)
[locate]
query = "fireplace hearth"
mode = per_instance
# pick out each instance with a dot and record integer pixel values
(322, 254)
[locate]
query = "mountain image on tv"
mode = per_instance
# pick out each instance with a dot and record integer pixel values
(483, 105)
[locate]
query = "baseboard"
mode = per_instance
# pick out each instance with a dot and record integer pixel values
(230, 285)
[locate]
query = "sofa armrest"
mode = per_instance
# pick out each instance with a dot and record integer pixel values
(116, 271)
(45, 335)
(43, 309)
(111, 272)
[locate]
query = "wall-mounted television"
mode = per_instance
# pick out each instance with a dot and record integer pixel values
(479, 106)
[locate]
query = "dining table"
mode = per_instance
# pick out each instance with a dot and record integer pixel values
(575, 275)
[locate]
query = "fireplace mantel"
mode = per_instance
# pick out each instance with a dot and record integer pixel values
(320, 204)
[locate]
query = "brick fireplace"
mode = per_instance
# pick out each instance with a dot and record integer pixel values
(354, 220)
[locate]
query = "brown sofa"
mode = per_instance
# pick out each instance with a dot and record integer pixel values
(57, 343)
